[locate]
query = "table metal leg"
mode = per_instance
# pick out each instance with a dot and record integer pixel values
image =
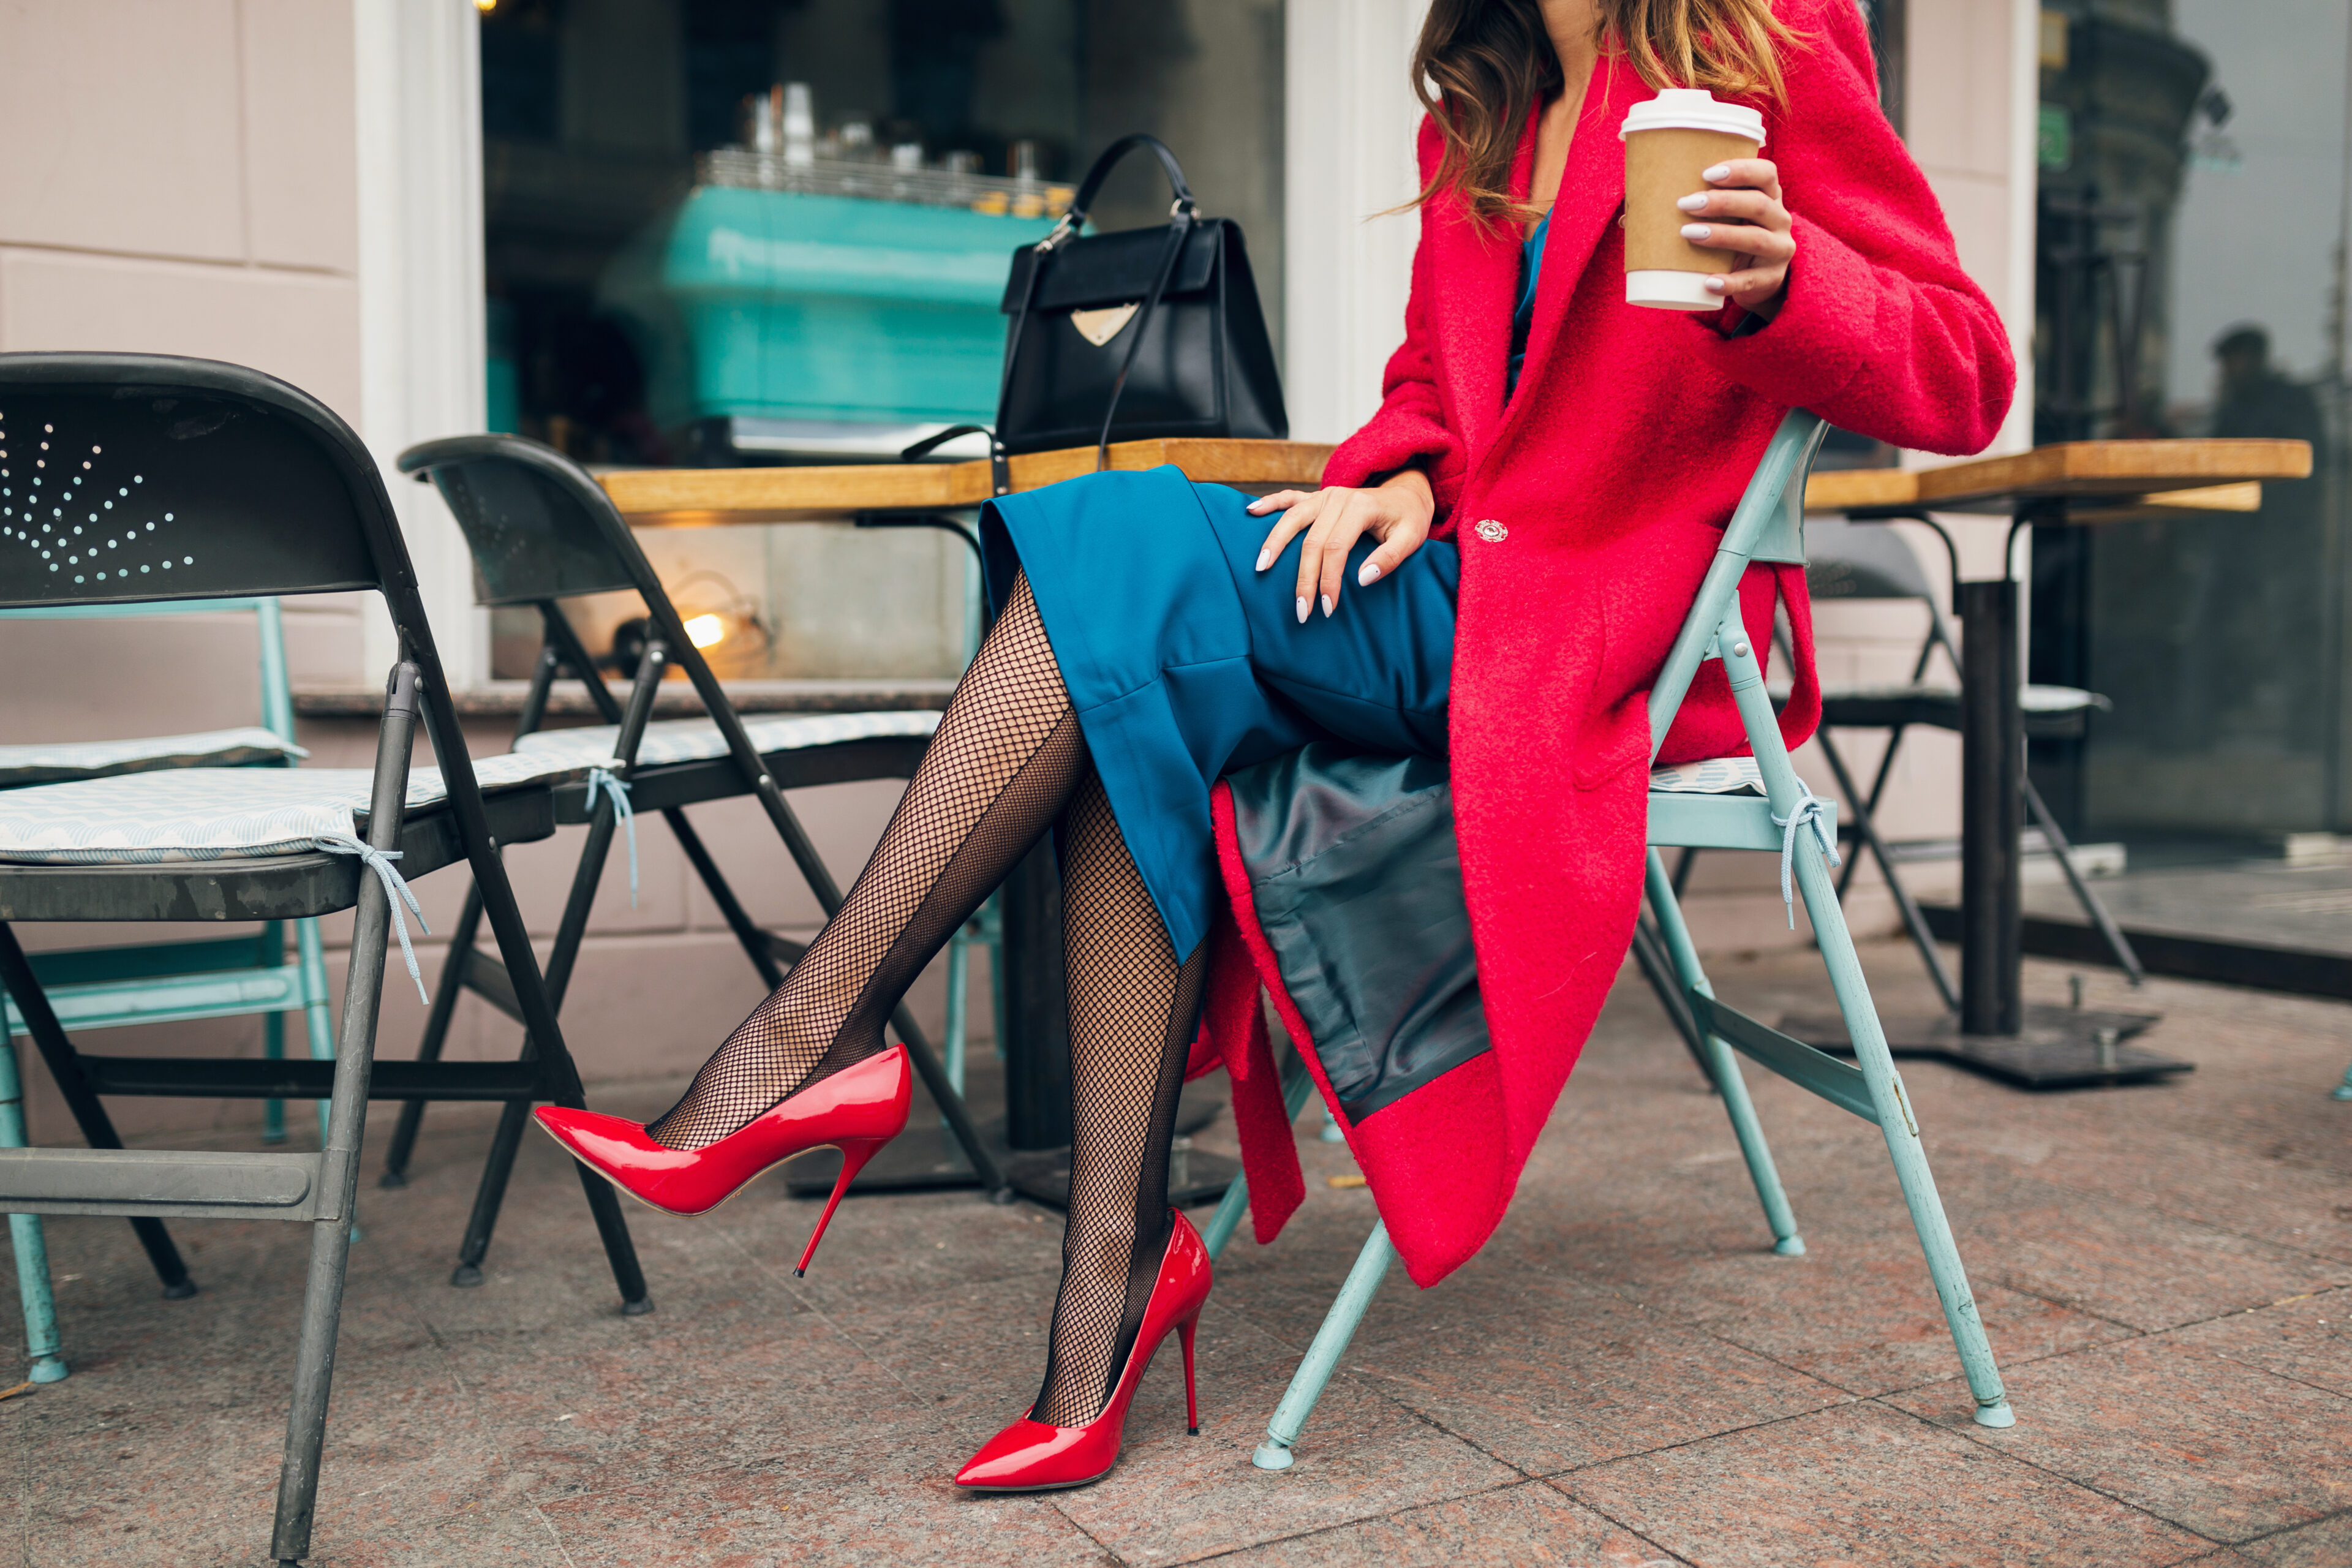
(1992, 754)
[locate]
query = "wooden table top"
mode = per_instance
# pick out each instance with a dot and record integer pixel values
(2135, 478)
(694, 497)
(2138, 477)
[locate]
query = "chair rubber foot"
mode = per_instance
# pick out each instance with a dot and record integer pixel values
(638, 1308)
(465, 1276)
(1789, 1247)
(394, 1179)
(48, 1369)
(180, 1292)
(1003, 1196)
(1998, 1414)
(1271, 1456)
(1192, 1431)
(278, 1137)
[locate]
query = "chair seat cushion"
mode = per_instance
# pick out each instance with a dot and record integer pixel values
(55, 763)
(212, 814)
(1717, 775)
(698, 740)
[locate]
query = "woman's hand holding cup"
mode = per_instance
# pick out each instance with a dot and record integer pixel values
(1741, 211)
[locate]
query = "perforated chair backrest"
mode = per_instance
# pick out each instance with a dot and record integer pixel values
(252, 488)
(1861, 560)
(537, 525)
(542, 529)
(132, 478)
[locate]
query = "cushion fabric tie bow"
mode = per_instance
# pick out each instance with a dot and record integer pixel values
(602, 780)
(1808, 813)
(395, 891)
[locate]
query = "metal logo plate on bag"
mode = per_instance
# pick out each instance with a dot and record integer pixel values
(1098, 327)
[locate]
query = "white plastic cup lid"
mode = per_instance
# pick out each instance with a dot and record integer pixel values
(1693, 109)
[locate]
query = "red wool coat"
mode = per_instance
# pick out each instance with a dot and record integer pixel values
(1612, 472)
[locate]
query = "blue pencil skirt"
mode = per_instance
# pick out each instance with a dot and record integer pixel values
(1185, 663)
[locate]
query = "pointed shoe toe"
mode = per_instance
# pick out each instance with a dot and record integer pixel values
(1030, 1455)
(856, 1111)
(621, 1152)
(612, 1143)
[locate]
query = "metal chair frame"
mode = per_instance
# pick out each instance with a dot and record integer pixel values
(1883, 567)
(280, 498)
(1767, 527)
(541, 530)
(109, 987)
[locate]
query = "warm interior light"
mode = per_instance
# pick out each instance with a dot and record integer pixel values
(704, 631)
(486, 6)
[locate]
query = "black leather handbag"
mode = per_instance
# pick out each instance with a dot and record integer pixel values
(1145, 334)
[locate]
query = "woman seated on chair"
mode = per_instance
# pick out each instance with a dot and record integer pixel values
(1493, 574)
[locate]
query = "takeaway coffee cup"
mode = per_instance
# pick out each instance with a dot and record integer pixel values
(1670, 142)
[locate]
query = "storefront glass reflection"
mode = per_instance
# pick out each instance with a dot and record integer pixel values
(732, 232)
(2190, 280)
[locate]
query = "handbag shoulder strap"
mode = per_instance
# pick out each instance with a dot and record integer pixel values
(1180, 229)
(1180, 216)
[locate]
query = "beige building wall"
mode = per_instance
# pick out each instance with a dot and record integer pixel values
(180, 182)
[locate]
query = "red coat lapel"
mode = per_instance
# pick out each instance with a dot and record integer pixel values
(1480, 266)
(1592, 193)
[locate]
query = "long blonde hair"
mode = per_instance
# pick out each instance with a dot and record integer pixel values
(1483, 65)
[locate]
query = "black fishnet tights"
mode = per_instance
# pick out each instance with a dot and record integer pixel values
(1132, 1014)
(1007, 758)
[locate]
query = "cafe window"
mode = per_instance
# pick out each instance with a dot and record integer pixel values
(2191, 282)
(738, 232)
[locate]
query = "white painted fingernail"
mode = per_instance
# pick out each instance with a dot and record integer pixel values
(1364, 578)
(1720, 172)
(1693, 203)
(1713, 285)
(1327, 606)
(1695, 231)
(1302, 609)
(1265, 558)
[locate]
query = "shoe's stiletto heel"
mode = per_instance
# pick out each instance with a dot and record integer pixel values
(1030, 1455)
(1185, 1333)
(855, 1152)
(856, 1111)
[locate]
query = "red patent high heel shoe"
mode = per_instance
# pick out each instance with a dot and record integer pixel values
(1030, 1455)
(855, 1110)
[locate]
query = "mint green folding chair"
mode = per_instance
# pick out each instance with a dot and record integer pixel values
(110, 987)
(1736, 802)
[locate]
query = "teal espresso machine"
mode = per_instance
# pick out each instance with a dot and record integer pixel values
(823, 311)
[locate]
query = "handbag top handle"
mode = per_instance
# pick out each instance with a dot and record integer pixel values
(1091, 187)
(1180, 227)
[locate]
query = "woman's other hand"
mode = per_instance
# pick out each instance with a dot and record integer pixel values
(1398, 513)
(1742, 212)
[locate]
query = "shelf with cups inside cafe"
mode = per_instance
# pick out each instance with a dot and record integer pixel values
(813, 300)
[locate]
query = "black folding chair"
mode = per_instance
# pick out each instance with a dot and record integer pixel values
(128, 478)
(542, 530)
(1852, 560)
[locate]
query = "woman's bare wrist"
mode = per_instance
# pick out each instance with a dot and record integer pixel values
(1414, 482)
